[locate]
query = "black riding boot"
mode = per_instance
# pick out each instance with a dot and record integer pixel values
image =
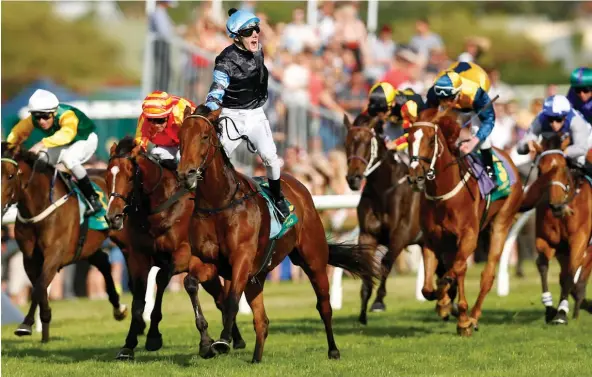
(488, 161)
(278, 198)
(91, 196)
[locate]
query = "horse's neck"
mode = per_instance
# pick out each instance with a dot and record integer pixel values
(447, 171)
(29, 203)
(387, 174)
(219, 183)
(157, 181)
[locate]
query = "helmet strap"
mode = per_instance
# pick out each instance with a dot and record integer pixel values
(239, 43)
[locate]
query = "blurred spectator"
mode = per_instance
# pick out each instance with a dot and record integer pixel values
(425, 40)
(354, 98)
(326, 22)
(351, 32)
(401, 67)
(14, 278)
(381, 52)
(162, 26)
(298, 34)
(475, 47)
(498, 86)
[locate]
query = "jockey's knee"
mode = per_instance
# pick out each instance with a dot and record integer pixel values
(272, 164)
(74, 165)
(486, 144)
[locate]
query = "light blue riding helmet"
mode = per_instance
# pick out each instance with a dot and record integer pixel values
(240, 20)
(556, 106)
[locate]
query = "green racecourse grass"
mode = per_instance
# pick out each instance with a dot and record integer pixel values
(407, 339)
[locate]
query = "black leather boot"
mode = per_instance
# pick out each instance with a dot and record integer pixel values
(278, 198)
(91, 196)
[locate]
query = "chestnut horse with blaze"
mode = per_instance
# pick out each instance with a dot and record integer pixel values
(453, 213)
(230, 230)
(563, 202)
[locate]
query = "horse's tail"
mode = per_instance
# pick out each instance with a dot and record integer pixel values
(357, 259)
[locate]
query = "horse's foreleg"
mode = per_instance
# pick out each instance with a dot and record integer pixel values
(254, 295)
(154, 337)
(368, 241)
(430, 263)
(395, 248)
(577, 247)
(33, 269)
(218, 292)
(48, 271)
(191, 287)
(499, 232)
(546, 253)
(586, 270)
(240, 275)
(100, 260)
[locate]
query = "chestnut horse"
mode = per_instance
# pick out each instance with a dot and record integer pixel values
(564, 226)
(48, 232)
(230, 230)
(453, 213)
(146, 198)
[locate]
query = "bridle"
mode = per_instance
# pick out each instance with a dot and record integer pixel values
(207, 161)
(372, 164)
(11, 201)
(570, 193)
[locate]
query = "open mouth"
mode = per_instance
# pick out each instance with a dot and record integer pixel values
(254, 44)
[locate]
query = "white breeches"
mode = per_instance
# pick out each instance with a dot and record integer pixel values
(253, 124)
(74, 155)
(475, 124)
(166, 153)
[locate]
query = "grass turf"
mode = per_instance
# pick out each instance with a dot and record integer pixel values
(408, 339)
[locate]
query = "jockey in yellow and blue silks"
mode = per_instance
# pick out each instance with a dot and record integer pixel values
(464, 87)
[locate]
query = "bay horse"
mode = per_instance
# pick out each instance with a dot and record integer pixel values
(453, 213)
(48, 232)
(563, 205)
(230, 230)
(147, 199)
(388, 212)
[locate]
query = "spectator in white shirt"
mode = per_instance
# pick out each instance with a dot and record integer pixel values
(425, 40)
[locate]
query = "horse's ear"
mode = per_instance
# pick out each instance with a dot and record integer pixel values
(346, 121)
(214, 114)
(186, 112)
(113, 148)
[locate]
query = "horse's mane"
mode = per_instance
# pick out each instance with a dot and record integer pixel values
(362, 119)
(204, 111)
(446, 122)
(41, 166)
(554, 141)
(125, 145)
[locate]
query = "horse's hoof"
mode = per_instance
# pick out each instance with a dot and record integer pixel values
(464, 331)
(206, 351)
(255, 361)
(125, 354)
(560, 318)
(334, 355)
(239, 344)
(23, 330)
(154, 343)
(121, 313)
(378, 307)
(362, 319)
(550, 313)
(446, 319)
(221, 347)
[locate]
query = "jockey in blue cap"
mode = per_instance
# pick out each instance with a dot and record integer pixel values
(463, 87)
(240, 88)
(580, 92)
(559, 116)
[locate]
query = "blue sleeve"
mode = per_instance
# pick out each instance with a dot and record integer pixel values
(216, 93)
(431, 99)
(487, 116)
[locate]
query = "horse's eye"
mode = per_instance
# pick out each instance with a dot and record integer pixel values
(11, 176)
(205, 137)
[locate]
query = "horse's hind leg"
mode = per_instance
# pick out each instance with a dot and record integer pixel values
(33, 269)
(254, 295)
(499, 232)
(100, 260)
(368, 241)
(154, 337)
(546, 253)
(586, 270)
(579, 291)
(315, 267)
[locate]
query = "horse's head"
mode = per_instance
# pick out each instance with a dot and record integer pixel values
(426, 144)
(120, 180)
(11, 175)
(361, 146)
(199, 137)
(553, 167)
